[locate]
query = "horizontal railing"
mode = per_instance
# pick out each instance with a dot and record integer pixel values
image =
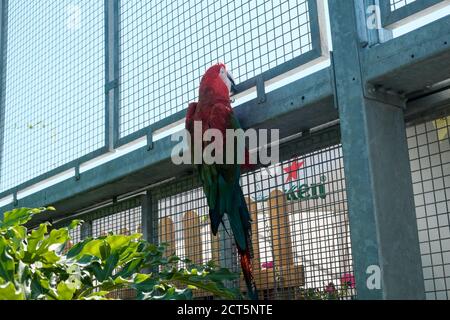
(393, 11)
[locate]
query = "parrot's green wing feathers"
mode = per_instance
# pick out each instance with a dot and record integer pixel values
(210, 180)
(234, 122)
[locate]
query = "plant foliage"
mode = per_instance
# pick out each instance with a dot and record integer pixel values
(38, 264)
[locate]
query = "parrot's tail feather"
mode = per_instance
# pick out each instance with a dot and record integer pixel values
(246, 265)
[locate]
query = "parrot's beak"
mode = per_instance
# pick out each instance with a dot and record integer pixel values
(233, 84)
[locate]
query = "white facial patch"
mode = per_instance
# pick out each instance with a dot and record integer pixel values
(224, 76)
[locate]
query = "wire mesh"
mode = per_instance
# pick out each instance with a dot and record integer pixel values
(123, 218)
(397, 4)
(167, 45)
(429, 151)
(54, 110)
(301, 238)
(75, 237)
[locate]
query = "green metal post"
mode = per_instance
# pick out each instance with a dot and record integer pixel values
(86, 230)
(149, 218)
(378, 177)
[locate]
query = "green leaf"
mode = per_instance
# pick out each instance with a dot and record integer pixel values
(36, 237)
(173, 259)
(117, 242)
(23, 272)
(7, 266)
(222, 274)
(73, 282)
(17, 217)
(17, 232)
(97, 270)
(110, 265)
(65, 291)
(57, 236)
(121, 281)
(77, 249)
(92, 247)
(99, 295)
(203, 281)
(39, 287)
(131, 251)
(50, 257)
(105, 250)
(8, 292)
(144, 283)
(171, 293)
(74, 224)
(86, 260)
(130, 268)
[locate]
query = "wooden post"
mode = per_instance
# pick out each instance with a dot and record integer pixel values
(281, 233)
(215, 249)
(287, 274)
(125, 232)
(167, 234)
(252, 207)
(192, 237)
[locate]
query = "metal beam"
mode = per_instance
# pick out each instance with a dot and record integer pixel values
(378, 177)
(428, 107)
(410, 63)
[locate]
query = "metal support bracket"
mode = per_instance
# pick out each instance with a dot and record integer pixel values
(15, 200)
(385, 95)
(150, 143)
(77, 173)
(86, 230)
(261, 90)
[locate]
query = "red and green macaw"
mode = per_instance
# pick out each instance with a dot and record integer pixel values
(221, 181)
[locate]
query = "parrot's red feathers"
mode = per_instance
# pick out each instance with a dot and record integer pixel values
(190, 116)
(221, 182)
(247, 270)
